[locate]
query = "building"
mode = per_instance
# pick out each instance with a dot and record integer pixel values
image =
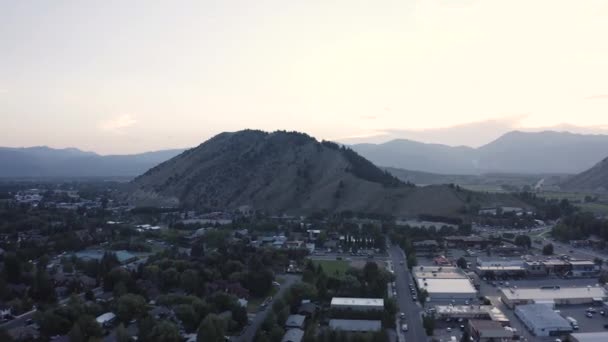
(445, 283)
(552, 294)
(486, 331)
(467, 242)
(542, 321)
(293, 335)
(106, 319)
(358, 304)
(583, 268)
(355, 325)
(471, 312)
(500, 266)
(589, 337)
(426, 247)
(295, 321)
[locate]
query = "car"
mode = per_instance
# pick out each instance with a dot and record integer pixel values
(603, 313)
(589, 314)
(448, 329)
(276, 284)
(414, 298)
(591, 310)
(402, 315)
(466, 302)
(404, 327)
(401, 263)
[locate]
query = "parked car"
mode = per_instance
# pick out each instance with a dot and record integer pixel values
(404, 327)
(589, 314)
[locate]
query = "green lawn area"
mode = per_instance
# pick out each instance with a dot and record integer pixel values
(333, 267)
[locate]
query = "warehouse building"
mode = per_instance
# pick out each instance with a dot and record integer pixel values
(589, 337)
(553, 295)
(357, 304)
(471, 312)
(445, 284)
(542, 321)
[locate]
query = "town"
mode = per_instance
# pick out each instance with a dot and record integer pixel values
(80, 265)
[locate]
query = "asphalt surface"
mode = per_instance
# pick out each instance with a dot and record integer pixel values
(249, 334)
(404, 300)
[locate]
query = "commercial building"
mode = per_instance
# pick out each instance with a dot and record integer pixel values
(500, 266)
(486, 331)
(541, 320)
(471, 312)
(589, 337)
(554, 295)
(295, 321)
(355, 325)
(445, 283)
(357, 304)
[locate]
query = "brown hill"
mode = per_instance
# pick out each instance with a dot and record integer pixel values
(288, 172)
(594, 179)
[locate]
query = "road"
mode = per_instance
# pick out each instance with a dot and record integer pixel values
(249, 334)
(404, 300)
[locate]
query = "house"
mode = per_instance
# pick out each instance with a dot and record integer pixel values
(295, 321)
(293, 335)
(357, 304)
(106, 319)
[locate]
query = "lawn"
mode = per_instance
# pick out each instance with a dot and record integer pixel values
(333, 267)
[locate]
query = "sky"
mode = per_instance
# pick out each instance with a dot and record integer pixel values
(132, 76)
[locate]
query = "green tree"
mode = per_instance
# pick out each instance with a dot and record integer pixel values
(189, 317)
(462, 263)
(212, 329)
(121, 334)
(130, 306)
(548, 249)
(428, 323)
(523, 241)
(165, 331)
(422, 296)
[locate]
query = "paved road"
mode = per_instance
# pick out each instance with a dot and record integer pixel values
(404, 300)
(252, 329)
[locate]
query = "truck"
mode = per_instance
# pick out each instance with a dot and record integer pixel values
(573, 322)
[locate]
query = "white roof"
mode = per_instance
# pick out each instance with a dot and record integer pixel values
(106, 317)
(375, 302)
(591, 337)
(541, 316)
(446, 286)
(538, 294)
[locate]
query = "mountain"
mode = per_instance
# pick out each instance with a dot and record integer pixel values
(546, 152)
(289, 172)
(594, 179)
(47, 162)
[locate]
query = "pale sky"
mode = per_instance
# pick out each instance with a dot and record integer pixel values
(132, 76)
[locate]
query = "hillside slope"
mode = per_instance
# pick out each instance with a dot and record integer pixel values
(285, 172)
(44, 162)
(594, 179)
(515, 152)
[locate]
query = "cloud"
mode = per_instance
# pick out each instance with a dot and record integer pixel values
(118, 124)
(3, 91)
(597, 97)
(369, 117)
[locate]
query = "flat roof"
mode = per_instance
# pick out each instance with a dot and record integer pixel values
(446, 286)
(541, 316)
(494, 313)
(357, 301)
(295, 321)
(355, 325)
(591, 337)
(500, 268)
(293, 335)
(552, 294)
(582, 262)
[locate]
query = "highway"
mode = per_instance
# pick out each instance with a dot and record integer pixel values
(249, 334)
(405, 303)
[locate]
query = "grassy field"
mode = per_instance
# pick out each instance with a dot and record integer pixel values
(333, 267)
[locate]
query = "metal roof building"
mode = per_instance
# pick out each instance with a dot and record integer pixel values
(541, 320)
(558, 295)
(355, 325)
(360, 304)
(589, 337)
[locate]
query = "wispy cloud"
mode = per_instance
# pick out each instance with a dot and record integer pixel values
(597, 97)
(3, 91)
(117, 124)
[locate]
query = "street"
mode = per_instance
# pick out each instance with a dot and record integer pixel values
(404, 300)
(249, 334)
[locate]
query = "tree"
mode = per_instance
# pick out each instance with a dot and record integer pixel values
(121, 334)
(548, 249)
(603, 278)
(523, 241)
(462, 263)
(212, 329)
(130, 306)
(189, 317)
(165, 331)
(429, 325)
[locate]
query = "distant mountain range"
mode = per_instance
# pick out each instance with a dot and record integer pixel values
(594, 179)
(45, 162)
(515, 152)
(289, 172)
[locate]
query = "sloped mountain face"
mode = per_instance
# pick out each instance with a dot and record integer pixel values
(46, 162)
(594, 179)
(515, 152)
(284, 172)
